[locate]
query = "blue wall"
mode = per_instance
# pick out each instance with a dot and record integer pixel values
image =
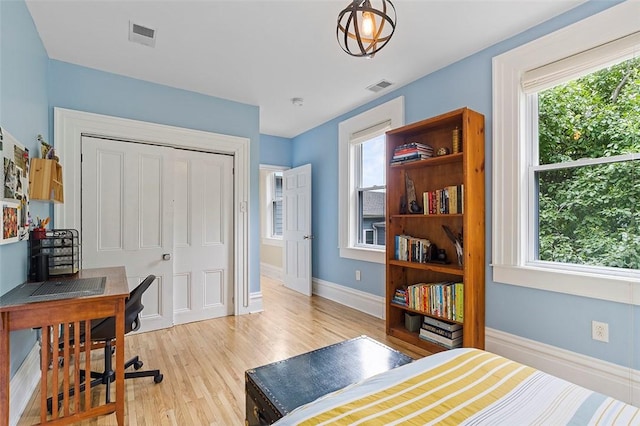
(557, 319)
(275, 151)
(84, 89)
(23, 113)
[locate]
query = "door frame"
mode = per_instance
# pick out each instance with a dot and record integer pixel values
(70, 125)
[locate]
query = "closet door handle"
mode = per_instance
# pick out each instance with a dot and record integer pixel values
(166, 256)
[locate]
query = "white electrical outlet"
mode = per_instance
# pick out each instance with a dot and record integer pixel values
(357, 275)
(600, 331)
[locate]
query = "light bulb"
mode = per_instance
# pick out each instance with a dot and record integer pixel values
(367, 23)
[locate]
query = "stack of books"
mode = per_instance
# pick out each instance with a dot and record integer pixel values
(400, 297)
(441, 333)
(413, 151)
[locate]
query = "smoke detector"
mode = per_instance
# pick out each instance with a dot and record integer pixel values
(381, 85)
(141, 34)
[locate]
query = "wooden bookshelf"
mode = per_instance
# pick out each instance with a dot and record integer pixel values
(464, 168)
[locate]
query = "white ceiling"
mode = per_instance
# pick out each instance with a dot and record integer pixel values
(266, 52)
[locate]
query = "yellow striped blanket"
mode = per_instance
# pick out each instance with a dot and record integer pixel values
(464, 386)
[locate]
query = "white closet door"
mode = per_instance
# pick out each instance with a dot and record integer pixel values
(203, 236)
(127, 218)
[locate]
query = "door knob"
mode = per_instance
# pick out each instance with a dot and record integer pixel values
(308, 237)
(166, 256)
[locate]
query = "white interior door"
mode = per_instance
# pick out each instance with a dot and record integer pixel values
(127, 218)
(296, 196)
(203, 238)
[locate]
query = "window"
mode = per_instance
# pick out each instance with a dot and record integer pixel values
(362, 181)
(566, 174)
(370, 187)
(276, 205)
(271, 204)
(585, 179)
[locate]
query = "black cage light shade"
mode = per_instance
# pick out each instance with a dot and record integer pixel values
(366, 26)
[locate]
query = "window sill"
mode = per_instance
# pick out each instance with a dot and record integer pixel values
(622, 289)
(363, 254)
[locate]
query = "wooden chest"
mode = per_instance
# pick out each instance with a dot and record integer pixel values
(274, 390)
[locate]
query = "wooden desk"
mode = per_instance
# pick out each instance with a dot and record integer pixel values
(51, 315)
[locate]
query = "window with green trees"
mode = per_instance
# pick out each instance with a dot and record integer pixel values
(587, 180)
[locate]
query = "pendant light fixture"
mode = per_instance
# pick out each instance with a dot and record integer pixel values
(364, 29)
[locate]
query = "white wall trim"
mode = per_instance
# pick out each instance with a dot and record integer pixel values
(392, 111)
(255, 304)
(70, 125)
(356, 299)
(270, 271)
(23, 384)
(601, 376)
(512, 258)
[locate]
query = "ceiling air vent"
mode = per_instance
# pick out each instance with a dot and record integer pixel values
(381, 85)
(142, 35)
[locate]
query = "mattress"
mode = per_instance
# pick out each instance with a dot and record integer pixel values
(468, 387)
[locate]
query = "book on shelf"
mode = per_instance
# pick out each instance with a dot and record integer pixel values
(442, 332)
(440, 340)
(459, 301)
(442, 324)
(413, 249)
(447, 200)
(409, 158)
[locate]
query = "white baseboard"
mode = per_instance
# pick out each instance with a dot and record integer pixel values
(23, 383)
(255, 302)
(356, 299)
(271, 271)
(601, 376)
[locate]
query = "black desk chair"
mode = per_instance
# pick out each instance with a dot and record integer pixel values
(104, 330)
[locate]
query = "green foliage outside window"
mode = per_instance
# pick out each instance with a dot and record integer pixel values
(589, 215)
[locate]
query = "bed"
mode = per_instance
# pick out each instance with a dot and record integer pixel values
(464, 386)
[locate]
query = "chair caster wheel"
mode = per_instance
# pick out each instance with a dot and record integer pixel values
(158, 378)
(138, 365)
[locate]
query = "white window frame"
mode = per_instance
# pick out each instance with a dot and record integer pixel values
(267, 225)
(512, 153)
(356, 158)
(391, 112)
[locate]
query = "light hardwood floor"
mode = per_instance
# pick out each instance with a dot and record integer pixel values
(204, 362)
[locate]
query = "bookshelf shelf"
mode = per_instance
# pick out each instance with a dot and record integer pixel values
(423, 216)
(416, 311)
(445, 269)
(411, 337)
(463, 173)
